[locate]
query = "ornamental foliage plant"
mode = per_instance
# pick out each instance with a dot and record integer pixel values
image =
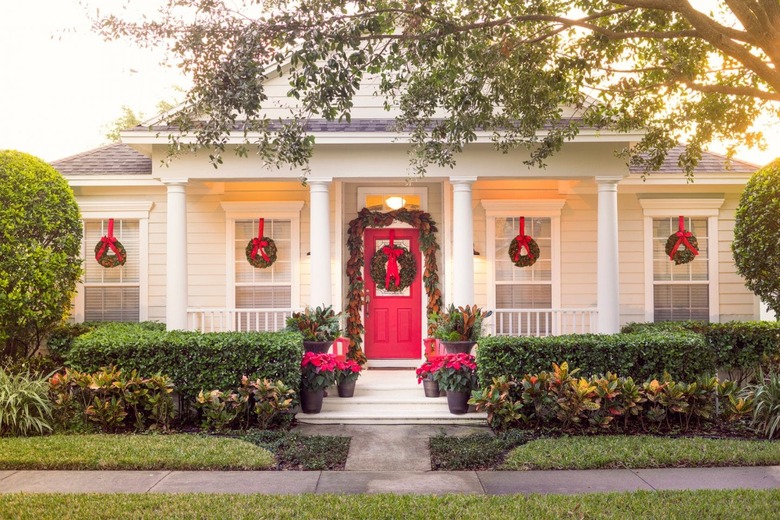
(457, 373)
(40, 240)
(25, 407)
(756, 249)
(458, 324)
(318, 324)
(347, 371)
(318, 371)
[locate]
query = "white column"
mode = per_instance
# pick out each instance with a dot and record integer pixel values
(321, 289)
(176, 258)
(462, 241)
(608, 276)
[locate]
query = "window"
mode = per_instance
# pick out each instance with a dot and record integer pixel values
(680, 292)
(688, 291)
(112, 294)
(524, 299)
(262, 299)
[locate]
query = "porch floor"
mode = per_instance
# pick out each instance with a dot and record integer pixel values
(388, 396)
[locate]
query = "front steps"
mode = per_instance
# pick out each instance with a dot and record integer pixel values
(388, 396)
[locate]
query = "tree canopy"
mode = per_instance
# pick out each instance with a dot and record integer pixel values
(678, 70)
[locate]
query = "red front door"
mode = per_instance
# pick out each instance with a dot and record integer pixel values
(393, 320)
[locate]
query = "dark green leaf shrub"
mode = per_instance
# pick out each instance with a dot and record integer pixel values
(683, 354)
(40, 241)
(194, 361)
(61, 338)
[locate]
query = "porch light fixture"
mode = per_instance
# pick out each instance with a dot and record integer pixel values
(474, 249)
(395, 202)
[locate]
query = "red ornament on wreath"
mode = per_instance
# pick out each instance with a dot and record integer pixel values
(682, 247)
(261, 250)
(395, 265)
(110, 243)
(524, 243)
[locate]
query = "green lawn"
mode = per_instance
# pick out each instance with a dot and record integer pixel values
(140, 452)
(687, 505)
(640, 451)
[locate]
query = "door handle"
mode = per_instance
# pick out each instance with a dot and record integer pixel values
(368, 300)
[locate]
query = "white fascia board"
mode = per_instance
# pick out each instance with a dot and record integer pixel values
(112, 180)
(679, 179)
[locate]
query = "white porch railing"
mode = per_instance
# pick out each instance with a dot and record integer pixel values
(544, 322)
(243, 320)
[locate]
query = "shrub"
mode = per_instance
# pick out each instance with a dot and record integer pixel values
(755, 248)
(766, 412)
(25, 408)
(561, 399)
(194, 361)
(60, 340)
(682, 354)
(108, 397)
(255, 403)
(40, 240)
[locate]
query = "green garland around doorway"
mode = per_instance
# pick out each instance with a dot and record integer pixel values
(355, 296)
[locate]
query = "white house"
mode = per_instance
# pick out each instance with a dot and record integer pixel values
(601, 229)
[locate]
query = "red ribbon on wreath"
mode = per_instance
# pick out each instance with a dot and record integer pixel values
(392, 253)
(523, 241)
(258, 244)
(682, 238)
(109, 241)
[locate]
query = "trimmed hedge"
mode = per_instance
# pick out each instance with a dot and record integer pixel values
(61, 338)
(683, 355)
(194, 361)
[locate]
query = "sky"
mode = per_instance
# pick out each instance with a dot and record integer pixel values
(61, 86)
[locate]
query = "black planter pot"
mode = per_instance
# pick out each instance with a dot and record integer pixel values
(318, 347)
(458, 401)
(458, 347)
(431, 388)
(347, 388)
(311, 400)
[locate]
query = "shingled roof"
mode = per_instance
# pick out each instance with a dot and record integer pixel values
(710, 162)
(112, 159)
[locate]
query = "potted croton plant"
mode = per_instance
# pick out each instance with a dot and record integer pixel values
(425, 375)
(319, 326)
(318, 371)
(459, 328)
(347, 373)
(457, 374)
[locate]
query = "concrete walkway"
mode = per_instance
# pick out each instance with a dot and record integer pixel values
(387, 459)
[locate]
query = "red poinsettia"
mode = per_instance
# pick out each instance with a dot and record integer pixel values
(429, 368)
(348, 370)
(457, 372)
(318, 371)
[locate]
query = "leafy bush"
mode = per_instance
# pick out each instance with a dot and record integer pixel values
(40, 241)
(256, 403)
(25, 408)
(61, 338)
(755, 248)
(558, 399)
(766, 413)
(683, 355)
(108, 397)
(194, 361)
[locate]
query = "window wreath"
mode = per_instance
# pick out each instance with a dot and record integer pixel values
(395, 265)
(682, 246)
(261, 250)
(523, 242)
(110, 243)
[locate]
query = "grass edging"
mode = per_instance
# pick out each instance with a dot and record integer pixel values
(640, 451)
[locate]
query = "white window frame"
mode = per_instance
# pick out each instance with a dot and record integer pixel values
(540, 208)
(694, 208)
(272, 210)
(120, 210)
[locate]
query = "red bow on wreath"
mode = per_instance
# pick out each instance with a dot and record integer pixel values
(258, 244)
(392, 254)
(109, 241)
(523, 241)
(682, 238)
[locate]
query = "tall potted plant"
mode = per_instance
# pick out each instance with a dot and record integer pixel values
(458, 376)
(319, 327)
(458, 328)
(318, 371)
